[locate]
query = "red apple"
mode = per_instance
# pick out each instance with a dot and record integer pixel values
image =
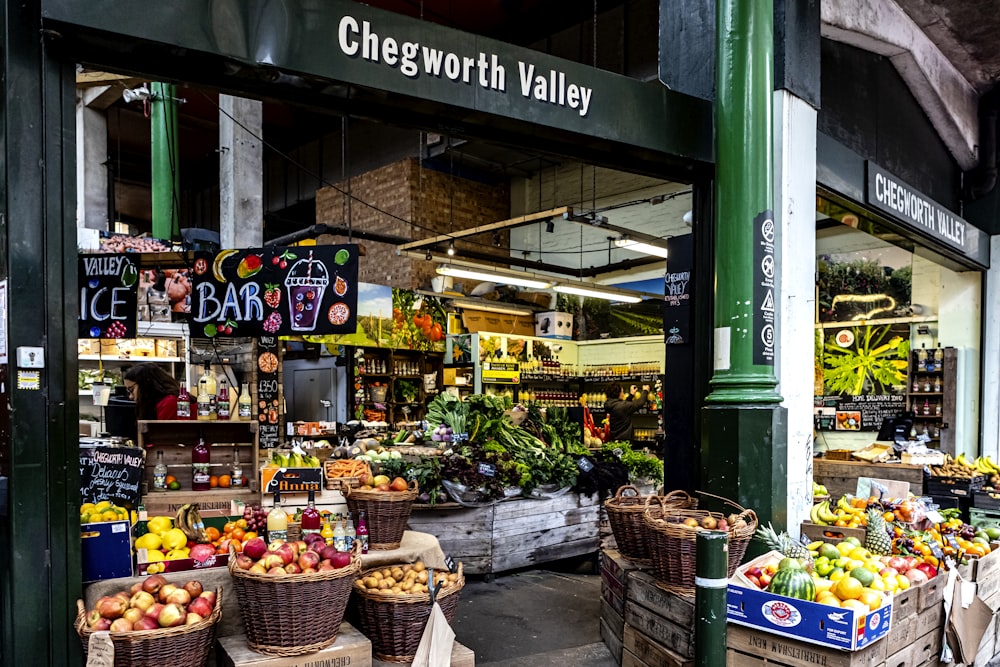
(179, 596)
(287, 553)
(133, 614)
(93, 617)
(192, 618)
(300, 546)
(153, 583)
(194, 588)
(327, 553)
(272, 559)
(341, 559)
(309, 559)
(277, 570)
(274, 544)
(258, 568)
(112, 607)
(124, 596)
(136, 587)
(142, 600)
(210, 596)
(898, 563)
(326, 566)
(102, 624)
(172, 616)
(382, 487)
(121, 625)
(146, 623)
(308, 570)
(165, 591)
(255, 548)
(244, 562)
(202, 552)
(200, 606)
(754, 571)
(293, 568)
(154, 611)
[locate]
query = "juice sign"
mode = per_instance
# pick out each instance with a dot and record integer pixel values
(275, 291)
(108, 299)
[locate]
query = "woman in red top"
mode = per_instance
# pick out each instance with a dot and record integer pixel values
(154, 391)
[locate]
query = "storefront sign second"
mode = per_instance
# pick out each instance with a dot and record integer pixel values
(107, 296)
(275, 291)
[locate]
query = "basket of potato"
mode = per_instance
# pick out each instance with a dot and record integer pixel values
(394, 603)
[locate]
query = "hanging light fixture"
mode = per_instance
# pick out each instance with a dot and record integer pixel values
(598, 293)
(627, 243)
(451, 249)
(493, 276)
(491, 307)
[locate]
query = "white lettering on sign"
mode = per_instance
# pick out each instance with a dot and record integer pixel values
(240, 303)
(909, 204)
(358, 40)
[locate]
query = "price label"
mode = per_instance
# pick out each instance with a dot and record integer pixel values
(100, 650)
(936, 550)
(584, 464)
(450, 562)
(617, 451)
(934, 516)
(459, 437)
(487, 469)
(954, 543)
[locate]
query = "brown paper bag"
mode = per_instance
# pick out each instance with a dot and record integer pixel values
(436, 643)
(967, 625)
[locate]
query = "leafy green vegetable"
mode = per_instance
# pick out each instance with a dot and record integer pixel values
(639, 464)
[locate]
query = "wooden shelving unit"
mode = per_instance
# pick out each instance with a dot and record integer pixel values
(923, 403)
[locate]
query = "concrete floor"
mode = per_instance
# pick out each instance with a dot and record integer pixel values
(549, 615)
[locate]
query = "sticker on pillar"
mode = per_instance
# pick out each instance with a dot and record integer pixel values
(764, 288)
(723, 335)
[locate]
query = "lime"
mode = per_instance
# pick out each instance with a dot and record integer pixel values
(993, 533)
(211, 330)
(130, 275)
(865, 576)
(174, 485)
(341, 257)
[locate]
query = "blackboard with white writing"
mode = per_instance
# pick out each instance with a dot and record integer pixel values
(111, 473)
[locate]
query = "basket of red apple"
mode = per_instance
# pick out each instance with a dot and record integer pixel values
(394, 603)
(281, 585)
(387, 507)
(155, 623)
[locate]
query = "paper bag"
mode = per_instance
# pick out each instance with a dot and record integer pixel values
(967, 622)
(436, 643)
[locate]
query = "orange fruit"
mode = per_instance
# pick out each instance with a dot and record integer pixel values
(212, 533)
(225, 481)
(228, 528)
(170, 478)
(249, 535)
(213, 481)
(848, 588)
(239, 534)
(241, 523)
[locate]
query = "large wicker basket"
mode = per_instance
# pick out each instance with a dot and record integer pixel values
(181, 646)
(672, 544)
(293, 614)
(386, 513)
(394, 622)
(625, 511)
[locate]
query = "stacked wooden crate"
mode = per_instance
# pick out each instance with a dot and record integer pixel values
(659, 626)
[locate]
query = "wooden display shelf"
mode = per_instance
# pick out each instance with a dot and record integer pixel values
(841, 477)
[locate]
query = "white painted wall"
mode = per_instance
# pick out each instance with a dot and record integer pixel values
(795, 213)
(991, 356)
(959, 325)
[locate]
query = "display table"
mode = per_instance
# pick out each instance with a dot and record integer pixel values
(841, 477)
(513, 533)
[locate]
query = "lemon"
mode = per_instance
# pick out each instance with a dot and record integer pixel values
(85, 518)
(178, 554)
(159, 524)
(110, 515)
(148, 541)
(87, 508)
(154, 555)
(103, 505)
(174, 539)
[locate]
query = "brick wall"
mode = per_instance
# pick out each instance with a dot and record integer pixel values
(423, 196)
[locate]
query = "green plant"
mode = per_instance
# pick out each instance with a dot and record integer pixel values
(872, 363)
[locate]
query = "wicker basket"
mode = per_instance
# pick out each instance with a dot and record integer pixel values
(672, 544)
(294, 614)
(294, 531)
(386, 513)
(395, 622)
(625, 512)
(181, 646)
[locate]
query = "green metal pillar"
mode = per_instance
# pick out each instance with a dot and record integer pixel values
(743, 432)
(165, 163)
(711, 575)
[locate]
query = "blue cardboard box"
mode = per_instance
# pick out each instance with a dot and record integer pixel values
(845, 629)
(106, 550)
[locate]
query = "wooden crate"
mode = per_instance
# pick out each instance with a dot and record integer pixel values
(930, 593)
(841, 477)
(614, 620)
(905, 604)
(461, 656)
(664, 618)
(611, 640)
(351, 648)
(902, 633)
(749, 646)
(644, 651)
(830, 533)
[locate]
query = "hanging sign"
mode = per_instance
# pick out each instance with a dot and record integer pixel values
(108, 299)
(111, 473)
(268, 393)
(677, 290)
(275, 291)
(764, 288)
(501, 372)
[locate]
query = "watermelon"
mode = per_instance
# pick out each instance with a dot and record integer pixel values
(793, 583)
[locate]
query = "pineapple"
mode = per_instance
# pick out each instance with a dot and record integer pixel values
(876, 535)
(782, 542)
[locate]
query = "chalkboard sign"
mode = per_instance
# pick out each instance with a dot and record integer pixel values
(108, 301)
(268, 407)
(275, 291)
(111, 473)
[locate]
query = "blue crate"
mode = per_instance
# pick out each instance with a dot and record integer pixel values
(106, 550)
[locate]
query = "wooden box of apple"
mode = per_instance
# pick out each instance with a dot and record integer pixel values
(152, 604)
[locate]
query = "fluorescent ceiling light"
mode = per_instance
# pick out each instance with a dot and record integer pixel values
(492, 276)
(506, 309)
(638, 246)
(597, 293)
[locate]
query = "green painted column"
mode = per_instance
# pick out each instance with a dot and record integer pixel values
(165, 161)
(744, 430)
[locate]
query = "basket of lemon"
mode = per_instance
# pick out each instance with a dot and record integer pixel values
(103, 512)
(162, 542)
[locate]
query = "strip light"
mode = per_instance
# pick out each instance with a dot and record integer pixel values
(638, 246)
(488, 306)
(490, 276)
(597, 294)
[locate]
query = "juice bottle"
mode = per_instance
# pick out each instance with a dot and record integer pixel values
(200, 463)
(339, 537)
(310, 516)
(183, 403)
(206, 395)
(350, 534)
(327, 533)
(222, 400)
(277, 521)
(922, 357)
(361, 533)
(237, 473)
(160, 472)
(244, 408)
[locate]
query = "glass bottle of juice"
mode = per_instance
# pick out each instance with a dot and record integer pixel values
(200, 464)
(922, 357)
(361, 532)
(327, 532)
(222, 400)
(206, 395)
(350, 533)
(310, 516)
(160, 472)
(277, 521)
(339, 536)
(244, 405)
(236, 478)
(183, 403)
(938, 357)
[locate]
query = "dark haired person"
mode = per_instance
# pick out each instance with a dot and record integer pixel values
(620, 410)
(154, 391)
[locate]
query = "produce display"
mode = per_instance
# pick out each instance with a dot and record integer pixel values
(280, 558)
(295, 458)
(961, 467)
(152, 604)
(176, 538)
(103, 511)
(403, 579)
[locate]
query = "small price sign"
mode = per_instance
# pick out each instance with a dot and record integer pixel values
(936, 550)
(584, 464)
(487, 469)
(450, 562)
(617, 451)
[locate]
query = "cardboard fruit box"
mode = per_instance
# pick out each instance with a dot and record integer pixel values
(178, 565)
(845, 629)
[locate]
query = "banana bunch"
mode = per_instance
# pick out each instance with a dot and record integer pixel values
(821, 514)
(189, 520)
(985, 465)
(294, 459)
(956, 467)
